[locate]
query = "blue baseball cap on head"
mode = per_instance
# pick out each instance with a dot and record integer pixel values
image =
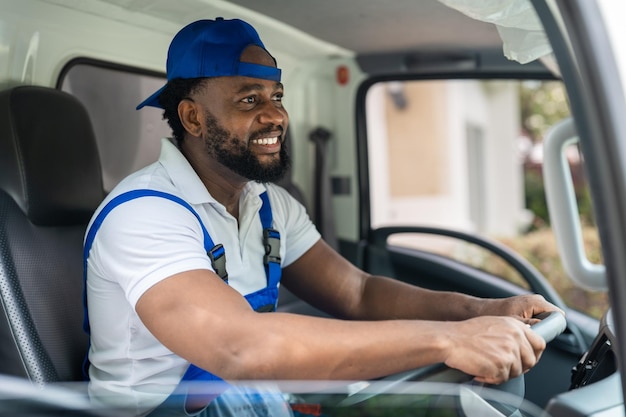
(212, 48)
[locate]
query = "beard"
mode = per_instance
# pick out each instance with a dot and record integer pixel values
(235, 155)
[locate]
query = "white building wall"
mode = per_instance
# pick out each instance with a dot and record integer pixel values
(494, 112)
(505, 178)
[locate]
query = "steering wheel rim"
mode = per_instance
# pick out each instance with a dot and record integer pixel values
(552, 324)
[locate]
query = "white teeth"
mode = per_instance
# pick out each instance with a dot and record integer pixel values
(265, 141)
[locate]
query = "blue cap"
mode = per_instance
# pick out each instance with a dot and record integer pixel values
(212, 48)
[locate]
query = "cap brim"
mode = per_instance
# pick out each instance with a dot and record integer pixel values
(153, 100)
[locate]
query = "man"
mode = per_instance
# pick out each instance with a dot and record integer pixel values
(162, 311)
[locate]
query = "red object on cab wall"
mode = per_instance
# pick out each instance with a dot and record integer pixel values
(343, 75)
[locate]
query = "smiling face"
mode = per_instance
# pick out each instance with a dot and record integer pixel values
(244, 122)
(262, 158)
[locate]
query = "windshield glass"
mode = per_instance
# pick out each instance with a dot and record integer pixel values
(467, 155)
(291, 398)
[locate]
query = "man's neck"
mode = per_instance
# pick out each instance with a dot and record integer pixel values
(224, 192)
(223, 184)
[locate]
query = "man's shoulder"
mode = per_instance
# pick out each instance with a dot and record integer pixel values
(281, 198)
(279, 192)
(152, 177)
(142, 195)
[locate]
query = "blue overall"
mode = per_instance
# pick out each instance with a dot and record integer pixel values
(264, 300)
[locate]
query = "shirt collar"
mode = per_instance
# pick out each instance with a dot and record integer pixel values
(186, 180)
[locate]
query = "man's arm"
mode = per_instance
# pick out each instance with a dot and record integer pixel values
(326, 280)
(200, 318)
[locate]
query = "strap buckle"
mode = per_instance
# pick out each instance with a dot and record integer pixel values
(271, 242)
(268, 308)
(217, 255)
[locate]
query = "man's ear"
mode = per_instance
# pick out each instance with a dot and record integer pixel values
(190, 117)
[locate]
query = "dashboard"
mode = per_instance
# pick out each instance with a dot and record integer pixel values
(596, 388)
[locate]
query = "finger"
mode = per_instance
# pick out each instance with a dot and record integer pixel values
(531, 349)
(502, 368)
(517, 368)
(491, 379)
(485, 369)
(509, 369)
(541, 305)
(497, 377)
(535, 340)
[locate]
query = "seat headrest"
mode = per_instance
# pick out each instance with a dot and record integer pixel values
(49, 162)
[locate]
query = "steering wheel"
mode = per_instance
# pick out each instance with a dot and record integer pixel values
(551, 325)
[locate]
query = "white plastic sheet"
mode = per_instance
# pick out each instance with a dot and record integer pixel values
(523, 37)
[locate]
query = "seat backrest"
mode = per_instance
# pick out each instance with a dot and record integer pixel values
(50, 185)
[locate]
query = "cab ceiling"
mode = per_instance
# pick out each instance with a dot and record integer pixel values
(360, 26)
(373, 26)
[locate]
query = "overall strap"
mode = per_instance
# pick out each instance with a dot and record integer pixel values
(263, 300)
(216, 253)
(271, 242)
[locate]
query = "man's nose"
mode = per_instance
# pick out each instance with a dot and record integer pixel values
(271, 113)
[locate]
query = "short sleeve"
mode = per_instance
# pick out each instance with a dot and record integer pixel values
(145, 240)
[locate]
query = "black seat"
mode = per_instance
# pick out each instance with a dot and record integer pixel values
(50, 184)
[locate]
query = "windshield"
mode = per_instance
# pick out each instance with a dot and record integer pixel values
(290, 398)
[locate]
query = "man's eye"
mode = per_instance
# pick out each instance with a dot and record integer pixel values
(278, 97)
(249, 100)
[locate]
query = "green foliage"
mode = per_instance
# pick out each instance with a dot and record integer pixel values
(536, 198)
(542, 104)
(539, 247)
(397, 405)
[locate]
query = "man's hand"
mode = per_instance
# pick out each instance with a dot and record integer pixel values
(523, 307)
(493, 349)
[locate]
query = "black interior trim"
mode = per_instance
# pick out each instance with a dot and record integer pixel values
(104, 64)
(531, 275)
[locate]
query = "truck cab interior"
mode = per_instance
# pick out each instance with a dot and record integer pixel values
(465, 146)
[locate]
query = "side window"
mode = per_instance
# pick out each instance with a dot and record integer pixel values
(467, 155)
(127, 139)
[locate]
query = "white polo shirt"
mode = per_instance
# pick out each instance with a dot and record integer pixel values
(148, 239)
